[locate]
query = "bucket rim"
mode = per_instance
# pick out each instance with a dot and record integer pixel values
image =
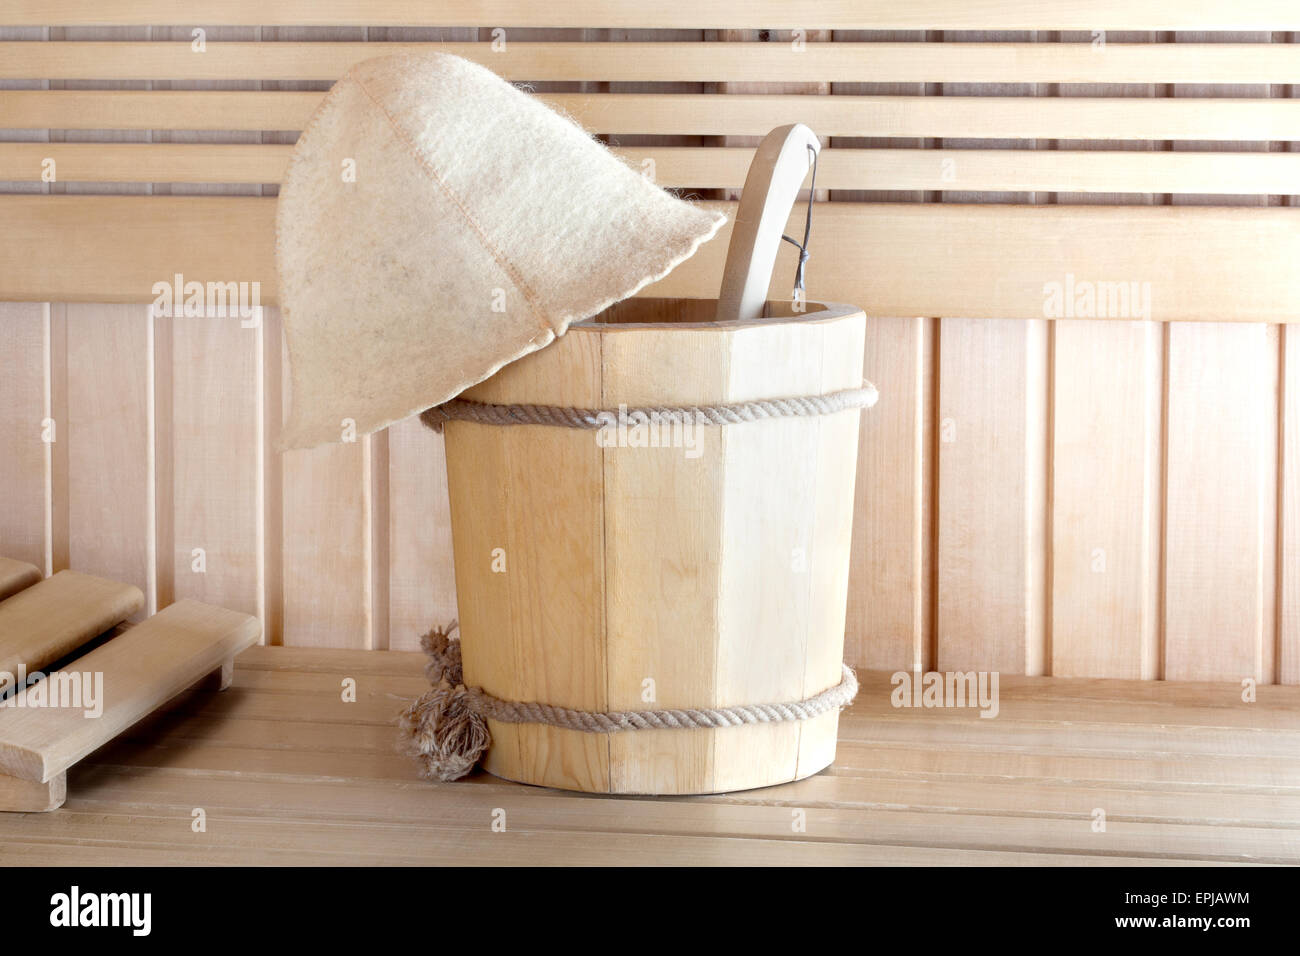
(775, 312)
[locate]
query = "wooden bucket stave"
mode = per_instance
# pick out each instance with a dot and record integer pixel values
(717, 570)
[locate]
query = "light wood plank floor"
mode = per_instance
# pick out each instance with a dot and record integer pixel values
(285, 772)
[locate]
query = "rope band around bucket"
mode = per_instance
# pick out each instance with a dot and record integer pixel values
(446, 728)
(733, 413)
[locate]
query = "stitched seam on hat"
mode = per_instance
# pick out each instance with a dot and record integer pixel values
(497, 256)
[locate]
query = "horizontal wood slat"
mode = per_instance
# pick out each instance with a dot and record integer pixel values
(719, 168)
(710, 114)
(1202, 263)
(665, 62)
(145, 163)
(687, 14)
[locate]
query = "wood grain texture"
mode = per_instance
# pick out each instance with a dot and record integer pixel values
(1289, 526)
(209, 371)
(1106, 455)
(1205, 263)
(706, 114)
(731, 14)
(25, 339)
(421, 587)
(992, 406)
(31, 796)
(385, 575)
(142, 668)
(25, 454)
(1229, 634)
(891, 577)
(529, 528)
(326, 547)
(47, 621)
(991, 549)
(28, 796)
(1106, 499)
(1221, 460)
(109, 432)
(660, 61)
(16, 575)
(217, 465)
(707, 572)
(326, 788)
(842, 168)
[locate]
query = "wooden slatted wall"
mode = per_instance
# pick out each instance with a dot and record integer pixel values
(1099, 497)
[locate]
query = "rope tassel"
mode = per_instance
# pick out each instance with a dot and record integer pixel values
(441, 730)
(446, 729)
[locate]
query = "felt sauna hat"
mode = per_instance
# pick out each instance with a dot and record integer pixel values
(437, 223)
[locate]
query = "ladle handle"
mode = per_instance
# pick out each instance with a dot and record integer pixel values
(779, 168)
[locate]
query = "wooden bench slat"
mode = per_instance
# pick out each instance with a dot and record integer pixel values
(1112, 118)
(1082, 171)
(16, 575)
(53, 618)
(982, 261)
(142, 669)
(686, 14)
(663, 62)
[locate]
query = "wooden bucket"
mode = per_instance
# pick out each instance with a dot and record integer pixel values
(637, 578)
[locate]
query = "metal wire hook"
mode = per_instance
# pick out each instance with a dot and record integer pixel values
(807, 231)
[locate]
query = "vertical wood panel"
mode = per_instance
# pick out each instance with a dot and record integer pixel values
(272, 475)
(1221, 448)
(992, 446)
(217, 461)
(110, 445)
(422, 577)
(889, 621)
(56, 363)
(1288, 666)
(24, 455)
(326, 572)
(1105, 499)
(164, 478)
